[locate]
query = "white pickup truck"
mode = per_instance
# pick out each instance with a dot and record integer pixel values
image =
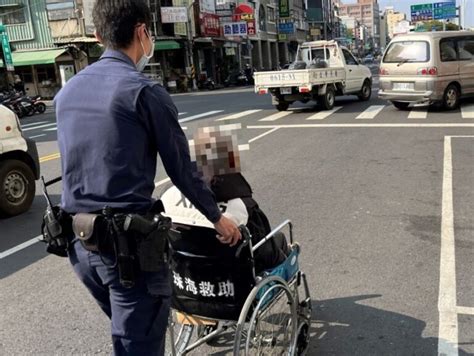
(321, 71)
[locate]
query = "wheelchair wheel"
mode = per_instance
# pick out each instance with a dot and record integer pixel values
(268, 322)
(177, 336)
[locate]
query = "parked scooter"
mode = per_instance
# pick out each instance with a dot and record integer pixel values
(207, 83)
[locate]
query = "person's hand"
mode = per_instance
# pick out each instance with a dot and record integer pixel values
(228, 231)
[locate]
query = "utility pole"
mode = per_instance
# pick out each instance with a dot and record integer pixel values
(190, 45)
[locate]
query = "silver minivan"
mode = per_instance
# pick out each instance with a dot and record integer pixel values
(428, 68)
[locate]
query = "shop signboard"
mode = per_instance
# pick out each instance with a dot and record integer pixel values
(210, 26)
(207, 6)
(235, 29)
(246, 13)
(174, 14)
(7, 52)
(284, 8)
(286, 27)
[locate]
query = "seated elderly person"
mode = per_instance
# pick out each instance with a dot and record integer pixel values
(217, 160)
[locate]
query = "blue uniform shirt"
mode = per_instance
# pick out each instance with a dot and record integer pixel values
(112, 123)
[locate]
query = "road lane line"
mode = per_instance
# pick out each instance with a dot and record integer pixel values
(36, 136)
(239, 115)
(303, 126)
(51, 129)
(182, 113)
(276, 116)
(20, 247)
(324, 114)
(465, 310)
(33, 124)
(263, 135)
(418, 114)
(39, 127)
(50, 157)
(370, 112)
(467, 111)
(448, 318)
(199, 116)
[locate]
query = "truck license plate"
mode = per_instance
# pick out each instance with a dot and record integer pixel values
(285, 90)
(403, 86)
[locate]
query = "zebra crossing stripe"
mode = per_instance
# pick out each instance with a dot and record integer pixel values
(276, 116)
(199, 116)
(467, 111)
(418, 114)
(39, 127)
(324, 114)
(370, 112)
(33, 124)
(238, 115)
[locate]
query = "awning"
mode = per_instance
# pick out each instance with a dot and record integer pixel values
(35, 57)
(164, 45)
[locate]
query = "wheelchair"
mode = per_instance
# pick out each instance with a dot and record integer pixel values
(219, 298)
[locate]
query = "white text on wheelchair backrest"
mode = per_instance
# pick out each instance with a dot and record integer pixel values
(204, 289)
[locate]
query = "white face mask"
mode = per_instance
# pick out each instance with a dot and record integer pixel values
(146, 57)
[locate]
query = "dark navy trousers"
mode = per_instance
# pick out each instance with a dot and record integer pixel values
(139, 315)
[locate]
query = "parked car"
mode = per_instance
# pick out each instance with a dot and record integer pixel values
(322, 70)
(19, 166)
(430, 67)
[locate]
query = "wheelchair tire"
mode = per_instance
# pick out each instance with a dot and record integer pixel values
(178, 334)
(252, 336)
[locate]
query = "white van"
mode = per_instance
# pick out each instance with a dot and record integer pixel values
(19, 166)
(428, 67)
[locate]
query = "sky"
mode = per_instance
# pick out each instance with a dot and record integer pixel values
(404, 6)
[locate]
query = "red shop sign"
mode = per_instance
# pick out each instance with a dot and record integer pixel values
(210, 26)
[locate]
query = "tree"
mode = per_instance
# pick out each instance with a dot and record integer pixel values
(438, 26)
(350, 33)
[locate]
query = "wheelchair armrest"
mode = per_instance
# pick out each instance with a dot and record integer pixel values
(246, 240)
(273, 233)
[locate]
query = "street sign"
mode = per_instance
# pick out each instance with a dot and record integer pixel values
(422, 12)
(284, 8)
(174, 14)
(286, 28)
(444, 10)
(7, 52)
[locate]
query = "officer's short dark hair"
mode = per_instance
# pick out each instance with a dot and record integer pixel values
(115, 20)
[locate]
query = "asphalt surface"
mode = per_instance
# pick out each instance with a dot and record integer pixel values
(369, 199)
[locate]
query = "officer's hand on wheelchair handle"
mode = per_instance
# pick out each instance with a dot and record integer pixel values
(228, 231)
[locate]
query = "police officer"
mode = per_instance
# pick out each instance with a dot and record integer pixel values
(112, 123)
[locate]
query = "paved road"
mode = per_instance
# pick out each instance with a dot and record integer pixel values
(382, 201)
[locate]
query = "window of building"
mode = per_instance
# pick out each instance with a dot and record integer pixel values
(61, 11)
(262, 22)
(466, 49)
(270, 14)
(46, 73)
(13, 15)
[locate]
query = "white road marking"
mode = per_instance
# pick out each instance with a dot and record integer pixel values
(36, 136)
(230, 127)
(448, 318)
(263, 135)
(199, 116)
(418, 114)
(467, 111)
(51, 129)
(276, 116)
(465, 310)
(244, 147)
(182, 113)
(39, 127)
(238, 115)
(370, 112)
(302, 126)
(20, 247)
(324, 114)
(33, 124)
(161, 182)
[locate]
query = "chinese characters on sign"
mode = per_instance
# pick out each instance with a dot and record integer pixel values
(204, 289)
(235, 29)
(286, 27)
(436, 11)
(174, 14)
(7, 52)
(284, 8)
(210, 26)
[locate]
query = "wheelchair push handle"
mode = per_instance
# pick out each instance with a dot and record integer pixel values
(246, 239)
